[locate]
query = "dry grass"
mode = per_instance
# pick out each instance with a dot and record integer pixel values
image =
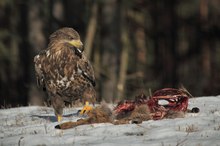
(188, 128)
(191, 128)
(217, 128)
(213, 111)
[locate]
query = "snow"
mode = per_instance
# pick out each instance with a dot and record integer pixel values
(34, 125)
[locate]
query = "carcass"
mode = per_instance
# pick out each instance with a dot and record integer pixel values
(160, 103)
(164, 103)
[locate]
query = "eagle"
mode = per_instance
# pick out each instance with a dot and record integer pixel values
(64, 72)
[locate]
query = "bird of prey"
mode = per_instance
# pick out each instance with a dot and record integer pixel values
(63, 71)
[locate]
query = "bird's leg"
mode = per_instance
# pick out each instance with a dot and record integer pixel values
(59, 118)
(58, 105)
(89, 97)
(86, 108)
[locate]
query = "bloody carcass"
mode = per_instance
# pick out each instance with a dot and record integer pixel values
(160, 103)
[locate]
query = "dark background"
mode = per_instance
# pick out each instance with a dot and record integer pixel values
(135, 46)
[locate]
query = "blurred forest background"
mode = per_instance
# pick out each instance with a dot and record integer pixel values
(134, 45)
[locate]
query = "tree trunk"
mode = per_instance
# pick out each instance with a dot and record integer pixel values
(24, 54)
(37, 40)
(110, 48)
(91, 30)
(124, 54)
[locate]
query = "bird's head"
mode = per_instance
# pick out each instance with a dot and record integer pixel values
(67, 35)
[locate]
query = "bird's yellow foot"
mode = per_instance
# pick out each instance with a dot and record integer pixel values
(86, 108)
(59, 118)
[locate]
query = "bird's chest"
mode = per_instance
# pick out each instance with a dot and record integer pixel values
(60, 69)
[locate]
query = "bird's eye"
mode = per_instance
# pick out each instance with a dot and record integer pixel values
(69, 37)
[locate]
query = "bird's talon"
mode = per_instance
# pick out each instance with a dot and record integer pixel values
(86, 109)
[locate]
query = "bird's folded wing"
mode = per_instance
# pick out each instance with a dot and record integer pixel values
(85, 68)
(38, 69)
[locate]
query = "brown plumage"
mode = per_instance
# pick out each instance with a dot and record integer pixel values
(63, 71)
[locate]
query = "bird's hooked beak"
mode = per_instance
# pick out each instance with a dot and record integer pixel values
(76, 43)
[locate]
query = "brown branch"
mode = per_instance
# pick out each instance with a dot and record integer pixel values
(91, 30)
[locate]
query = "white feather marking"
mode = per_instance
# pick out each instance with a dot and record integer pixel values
(67, 84)
(63, 82)
(85, 73)
(72, 78)
(64, 79)
(79, 71)
(79, 50)
(48, 53)
(36, 58)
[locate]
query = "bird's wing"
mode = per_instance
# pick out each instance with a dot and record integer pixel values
(85, 68)
(38, 60)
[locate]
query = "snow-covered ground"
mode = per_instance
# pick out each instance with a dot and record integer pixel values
(35, 126)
